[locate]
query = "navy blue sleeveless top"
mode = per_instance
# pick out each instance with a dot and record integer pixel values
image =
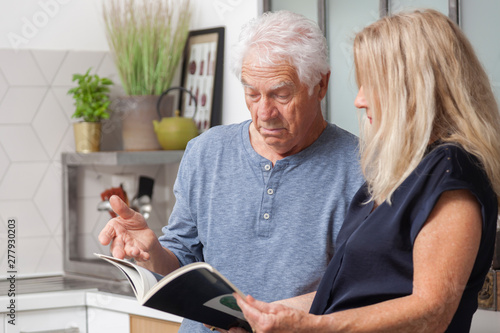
(373, 261)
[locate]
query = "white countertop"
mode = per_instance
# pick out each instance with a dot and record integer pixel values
(46, 300)
(127, 304)
(91, 298)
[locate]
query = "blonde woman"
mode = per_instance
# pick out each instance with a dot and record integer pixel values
(418, 239)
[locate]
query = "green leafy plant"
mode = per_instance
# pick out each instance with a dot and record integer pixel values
(147, 39)
(91, 97)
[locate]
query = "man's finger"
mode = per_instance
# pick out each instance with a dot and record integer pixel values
(120, 207)
(250, 312)
(117, 248)
(259, 305)
(107, 234)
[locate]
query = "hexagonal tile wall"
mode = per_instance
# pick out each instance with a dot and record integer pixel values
(35, 127)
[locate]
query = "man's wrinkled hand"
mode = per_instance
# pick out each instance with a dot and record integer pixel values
(128, 233)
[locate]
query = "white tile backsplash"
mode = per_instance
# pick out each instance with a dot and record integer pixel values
(20, 69)
(3, 86)
(77, 62)
(30, 252)
(50, 123)
(20, 181)
(20, 104)
(66, 102)
(48, 198)
(4, 162)
(67, 144)
(35, 128)
(47, 264)
(49, 62)
(22, 144)
(29, 221)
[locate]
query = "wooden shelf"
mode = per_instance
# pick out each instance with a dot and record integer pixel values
(123, 158)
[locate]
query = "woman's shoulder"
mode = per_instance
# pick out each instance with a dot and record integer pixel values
(452, 164)
(453, 155)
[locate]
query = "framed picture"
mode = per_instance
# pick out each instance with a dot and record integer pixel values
(202, 72)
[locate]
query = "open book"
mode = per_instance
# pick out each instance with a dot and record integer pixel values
(196, 291)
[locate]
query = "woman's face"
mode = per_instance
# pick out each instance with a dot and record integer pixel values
(361, 103)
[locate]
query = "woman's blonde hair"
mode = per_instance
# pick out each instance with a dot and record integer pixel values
(423, 82)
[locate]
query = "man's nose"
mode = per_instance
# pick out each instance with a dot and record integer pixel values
(267, 109)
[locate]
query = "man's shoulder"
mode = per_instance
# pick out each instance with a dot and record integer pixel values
(339, 140)
(341, 134)
(220, 131)
(216, 137)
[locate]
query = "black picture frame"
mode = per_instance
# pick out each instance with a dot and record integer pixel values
(202, 75)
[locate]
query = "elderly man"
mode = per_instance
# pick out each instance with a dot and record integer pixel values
(261, 201)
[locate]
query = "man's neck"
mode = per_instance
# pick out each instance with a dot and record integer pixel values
(274, 155)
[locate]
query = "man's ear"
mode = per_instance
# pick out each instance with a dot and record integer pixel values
(323, 85)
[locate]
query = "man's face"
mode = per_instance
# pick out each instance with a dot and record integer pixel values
(283, 112)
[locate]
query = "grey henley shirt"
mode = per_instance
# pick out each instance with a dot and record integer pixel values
(269, 229)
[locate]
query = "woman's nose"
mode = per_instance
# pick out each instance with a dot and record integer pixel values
(360, 101)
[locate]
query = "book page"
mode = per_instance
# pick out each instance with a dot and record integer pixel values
(141, 279)
(175, 274)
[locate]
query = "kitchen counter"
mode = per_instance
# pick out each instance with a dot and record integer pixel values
(71, 291)
(126, 304)
(63, 283)
(74, 291)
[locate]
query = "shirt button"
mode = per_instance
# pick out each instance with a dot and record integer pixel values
(270, 191)
(267, 167)
(266, 216)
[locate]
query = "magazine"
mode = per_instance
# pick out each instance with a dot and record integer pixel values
(196, 291)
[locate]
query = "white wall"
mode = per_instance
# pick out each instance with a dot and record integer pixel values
(78, 25)
(232, 14)
(52, 25)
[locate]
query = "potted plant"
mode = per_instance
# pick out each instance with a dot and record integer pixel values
(146, 39)
(91, 102)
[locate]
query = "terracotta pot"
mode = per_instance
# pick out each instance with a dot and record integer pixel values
(137, 114)
(87, 137)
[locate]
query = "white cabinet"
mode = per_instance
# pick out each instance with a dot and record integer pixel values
(63, 320)
(105, 321)
(113, 311)
(63, 311)
(122, 314)
(81, 311)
